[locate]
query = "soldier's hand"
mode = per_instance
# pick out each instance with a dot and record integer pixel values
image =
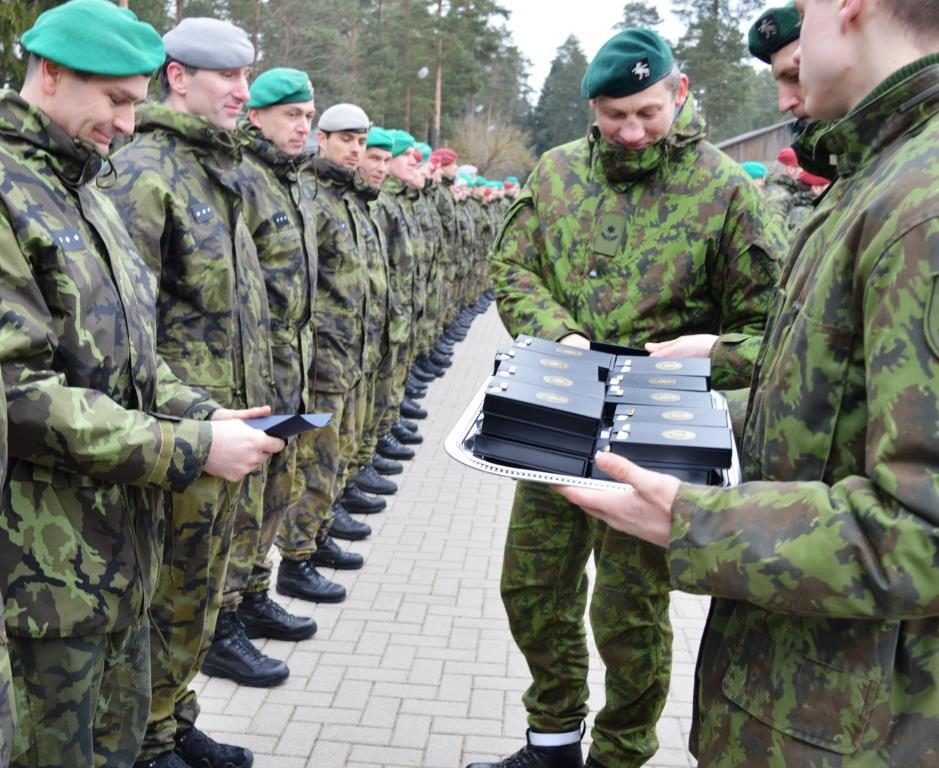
(238, 449)
(258, 412)
(643, 510)
(695, 345)
(576, 340)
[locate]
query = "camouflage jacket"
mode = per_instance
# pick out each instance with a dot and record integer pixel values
(371, 240)
(278, 192)
(425, 209)
(466, 238)
(341, 306)
(411, 203)
(823, 644)
(81, 509)
(176, 193)
(482, 229)
(789, 200)
(443, 201)
(390, 216)
(682, 247)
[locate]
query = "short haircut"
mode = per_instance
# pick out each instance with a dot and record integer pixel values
(673, 79)
(921, 17)
(164, 78)
(32, 67)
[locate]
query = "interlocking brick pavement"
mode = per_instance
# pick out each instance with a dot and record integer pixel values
(417, 667)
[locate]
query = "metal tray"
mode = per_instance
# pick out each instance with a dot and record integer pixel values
(458, 446)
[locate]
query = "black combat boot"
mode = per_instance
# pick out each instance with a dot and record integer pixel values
(405, 436)
(412, 425)
(530, 756)
(368, 480)
(345, 528)
(357, 501)
(201, 751)
(166, 760)
(299, 578)
(424, 377)
(414, 394)
(262, 617)
(330, 555)
(390, 448)
(411, 410)
(385, 466)
(232, 655)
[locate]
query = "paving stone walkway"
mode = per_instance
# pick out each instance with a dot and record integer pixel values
(417, 667)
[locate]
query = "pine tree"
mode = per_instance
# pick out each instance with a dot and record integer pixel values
(562, 113)
(639, 14)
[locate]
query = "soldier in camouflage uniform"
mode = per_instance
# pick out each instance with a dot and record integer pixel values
(177, 194)
(7, 705)
(278, 186)
(639, 230)
(340, 317)
(822, 646)
(82, 511)
(774, 40)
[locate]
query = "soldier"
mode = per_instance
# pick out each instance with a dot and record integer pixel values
(774, 40)
(7, 705)
(176, 192)
(278, 186)
(339, 316)
(82, 509)
(654, 231)
(822, 646)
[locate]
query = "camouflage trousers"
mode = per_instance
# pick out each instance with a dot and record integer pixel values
(380, 384)
(246, 538)
(282, 490)
(323, 457)
(544, 590)
(186, 603)
(7, 699)
(81, 702)
(427, 325)
(391, 390)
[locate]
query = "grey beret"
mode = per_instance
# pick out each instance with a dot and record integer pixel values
(207, 43)
(344, 117)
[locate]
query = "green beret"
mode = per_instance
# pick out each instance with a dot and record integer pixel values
(381, 138)
(403, 141)
(511, 180)
(754, 169)
(280, 85)
(775, 29)
(628, 63)
(424, 149)
(97, 37)
(481, 181)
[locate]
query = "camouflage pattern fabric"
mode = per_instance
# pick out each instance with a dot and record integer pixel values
(187, 602)
(278, 193)
(790, 201)
(177, 190)
(425, 210)
(446, 213)
(322, 458)
(676, 245)
(7, 705)
(342, 298)
(102, 694)
(80, 522)
(823, 644)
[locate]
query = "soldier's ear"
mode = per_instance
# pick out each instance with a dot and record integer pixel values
(176, 78)
(50, 76)
(848, 12)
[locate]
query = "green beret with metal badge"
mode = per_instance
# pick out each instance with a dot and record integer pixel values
(97, 37)
(629, 62)
(280, 85)
(774, 30)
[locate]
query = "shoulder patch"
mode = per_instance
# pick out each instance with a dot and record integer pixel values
(931, 320)
(280, 219)
(69, 239)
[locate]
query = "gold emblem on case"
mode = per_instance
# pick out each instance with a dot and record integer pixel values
(549, 362)
(679, 434)
(558, 381)
(552, 397)
(668, 365)
(666, 397)
(662, 380)
(570, 351)
(678, 415)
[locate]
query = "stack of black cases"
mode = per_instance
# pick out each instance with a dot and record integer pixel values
(550, 408)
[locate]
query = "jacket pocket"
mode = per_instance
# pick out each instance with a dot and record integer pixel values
(807, 699)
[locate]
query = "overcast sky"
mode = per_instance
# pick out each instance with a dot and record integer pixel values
(540, 27)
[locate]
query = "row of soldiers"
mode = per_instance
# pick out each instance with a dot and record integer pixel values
(212, 270)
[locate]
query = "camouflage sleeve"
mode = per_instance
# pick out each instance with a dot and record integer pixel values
(76, 429)
(142, 201)
(523, 295)
(178, 399)
(746, 276)
(867, 545)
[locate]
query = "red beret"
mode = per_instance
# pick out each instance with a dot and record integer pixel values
(787, 156)
(812, 180)
(442, 156)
